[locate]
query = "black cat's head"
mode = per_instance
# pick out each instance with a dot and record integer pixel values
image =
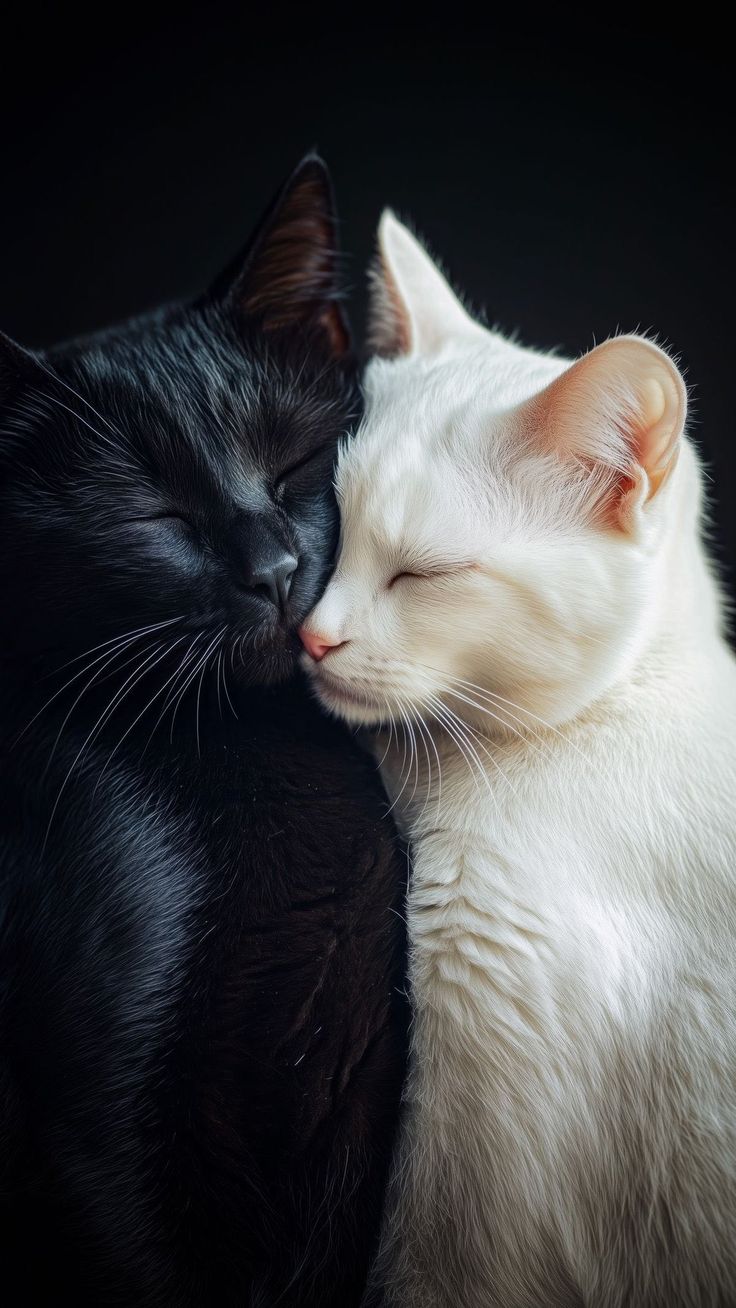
(174, 476)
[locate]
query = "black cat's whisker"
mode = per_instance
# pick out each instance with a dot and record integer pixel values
(128, 635)
(170, 649)
(212, 646)
(100, 435)
(177, 695)
(109, 660)
(123, 644)
(217, 682)
(184, 664)
(227, 692)
(55, 377)
(113, 703)
(200, 662)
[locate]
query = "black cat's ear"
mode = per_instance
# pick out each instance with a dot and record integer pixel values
(288, 275)
(16, 364)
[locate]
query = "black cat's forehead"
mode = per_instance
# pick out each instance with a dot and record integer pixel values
(182, 386)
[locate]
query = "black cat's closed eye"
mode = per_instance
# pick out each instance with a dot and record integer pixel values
(300, 466)
(177, 518)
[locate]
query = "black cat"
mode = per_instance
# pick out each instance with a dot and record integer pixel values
(202, 1035)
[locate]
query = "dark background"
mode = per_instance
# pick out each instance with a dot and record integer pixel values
(575, 180)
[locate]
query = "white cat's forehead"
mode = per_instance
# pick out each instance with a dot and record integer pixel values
(494, 371)
(424, 416)
(415, 480)
(397, 500)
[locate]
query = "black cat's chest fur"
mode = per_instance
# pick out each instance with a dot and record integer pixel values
(229, 1006)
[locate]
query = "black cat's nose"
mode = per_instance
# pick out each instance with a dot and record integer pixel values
(272, 578)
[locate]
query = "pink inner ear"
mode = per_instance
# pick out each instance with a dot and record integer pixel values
(389, 332)
(619, 411)
(290, 279)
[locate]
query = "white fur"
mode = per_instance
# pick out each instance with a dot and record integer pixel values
(562, 747)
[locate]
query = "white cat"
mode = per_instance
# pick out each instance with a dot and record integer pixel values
(522, 594)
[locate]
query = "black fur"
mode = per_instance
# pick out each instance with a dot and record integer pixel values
(201, 948)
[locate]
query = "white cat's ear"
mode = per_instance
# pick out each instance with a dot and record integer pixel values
(619, 411)
(413, 310)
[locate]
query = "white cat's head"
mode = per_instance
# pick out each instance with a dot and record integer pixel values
(504, 514)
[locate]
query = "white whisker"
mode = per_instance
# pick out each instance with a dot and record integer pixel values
(139, 671)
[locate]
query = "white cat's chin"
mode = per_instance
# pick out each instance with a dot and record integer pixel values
(338, 698)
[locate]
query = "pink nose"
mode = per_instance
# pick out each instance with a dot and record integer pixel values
(316, 644)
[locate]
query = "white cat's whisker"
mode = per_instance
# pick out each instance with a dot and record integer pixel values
(404, 770)
(414, 759)
(501, 702)
(480, 708)
(456, 729)
(426, 735)
(384, 756)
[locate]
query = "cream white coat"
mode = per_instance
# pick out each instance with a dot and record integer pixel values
(523, 612)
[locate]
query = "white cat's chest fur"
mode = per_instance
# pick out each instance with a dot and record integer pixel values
(572, 918)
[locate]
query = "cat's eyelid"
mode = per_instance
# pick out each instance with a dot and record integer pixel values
(165, 515)
(429, 573)
(301, 463)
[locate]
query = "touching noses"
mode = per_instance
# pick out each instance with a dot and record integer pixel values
(316, 644)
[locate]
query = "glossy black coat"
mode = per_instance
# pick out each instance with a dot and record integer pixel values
(202, 1025)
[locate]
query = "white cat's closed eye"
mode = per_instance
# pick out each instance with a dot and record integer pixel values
(432, 574)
